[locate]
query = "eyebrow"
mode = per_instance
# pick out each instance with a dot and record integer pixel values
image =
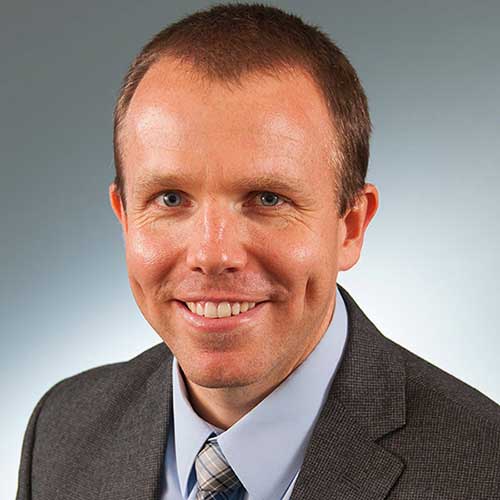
(264, 182)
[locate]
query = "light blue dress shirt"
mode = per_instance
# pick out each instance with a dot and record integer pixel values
(266, 447)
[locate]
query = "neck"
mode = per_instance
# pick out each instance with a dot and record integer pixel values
(223, 407)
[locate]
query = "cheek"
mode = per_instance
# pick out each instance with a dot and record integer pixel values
(149, 255)
(297, 259)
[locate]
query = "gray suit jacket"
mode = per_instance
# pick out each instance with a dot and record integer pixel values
(393, 427)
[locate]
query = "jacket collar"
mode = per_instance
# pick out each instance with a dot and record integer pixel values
(133, 458)
(366, 401)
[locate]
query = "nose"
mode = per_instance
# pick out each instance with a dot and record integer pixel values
(215, 245)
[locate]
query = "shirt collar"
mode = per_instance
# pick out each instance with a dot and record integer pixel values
(190, 430)
(286, 416)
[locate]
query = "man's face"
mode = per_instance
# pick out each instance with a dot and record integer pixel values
(230, 199)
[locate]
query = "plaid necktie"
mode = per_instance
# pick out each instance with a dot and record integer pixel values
(216, 480)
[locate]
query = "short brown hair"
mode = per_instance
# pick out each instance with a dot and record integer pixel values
(228, 41)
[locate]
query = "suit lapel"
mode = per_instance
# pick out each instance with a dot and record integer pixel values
(365, 402)
(134, 462)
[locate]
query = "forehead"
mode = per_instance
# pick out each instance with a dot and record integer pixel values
(177, 112)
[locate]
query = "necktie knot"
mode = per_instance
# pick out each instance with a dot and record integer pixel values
(214, 475)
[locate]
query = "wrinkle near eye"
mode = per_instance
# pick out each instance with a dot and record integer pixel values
(296, 219)
(143, 218)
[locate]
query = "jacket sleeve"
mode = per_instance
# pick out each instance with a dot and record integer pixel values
(24, 477)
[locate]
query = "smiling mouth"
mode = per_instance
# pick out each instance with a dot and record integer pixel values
(216, 325)
(222, 309)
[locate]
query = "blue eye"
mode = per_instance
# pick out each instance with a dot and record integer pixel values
(269, 199)
(172, 199)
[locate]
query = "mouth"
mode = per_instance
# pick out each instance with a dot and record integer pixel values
(222, 309)
(223, 316)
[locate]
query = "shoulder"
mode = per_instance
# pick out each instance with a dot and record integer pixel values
(86, 395)
(431, 387)
(428, 388)
(448, 434)
(79, 418)
(452, 434)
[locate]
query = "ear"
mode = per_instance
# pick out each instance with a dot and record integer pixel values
(117, 205)
(353, 227)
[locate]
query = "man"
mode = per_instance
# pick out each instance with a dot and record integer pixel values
(241, 148)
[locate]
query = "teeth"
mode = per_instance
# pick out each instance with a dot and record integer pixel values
(210, 310)
(220, 310)
(224, 310)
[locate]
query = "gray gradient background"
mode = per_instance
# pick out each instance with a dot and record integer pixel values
(428, 276)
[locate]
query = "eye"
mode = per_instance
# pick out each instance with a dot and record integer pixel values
(269, 199)
(172, 198)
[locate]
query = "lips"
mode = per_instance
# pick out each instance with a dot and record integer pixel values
(220, 324)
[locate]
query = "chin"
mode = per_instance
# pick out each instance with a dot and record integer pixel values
(210, 382)
(218, 371)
